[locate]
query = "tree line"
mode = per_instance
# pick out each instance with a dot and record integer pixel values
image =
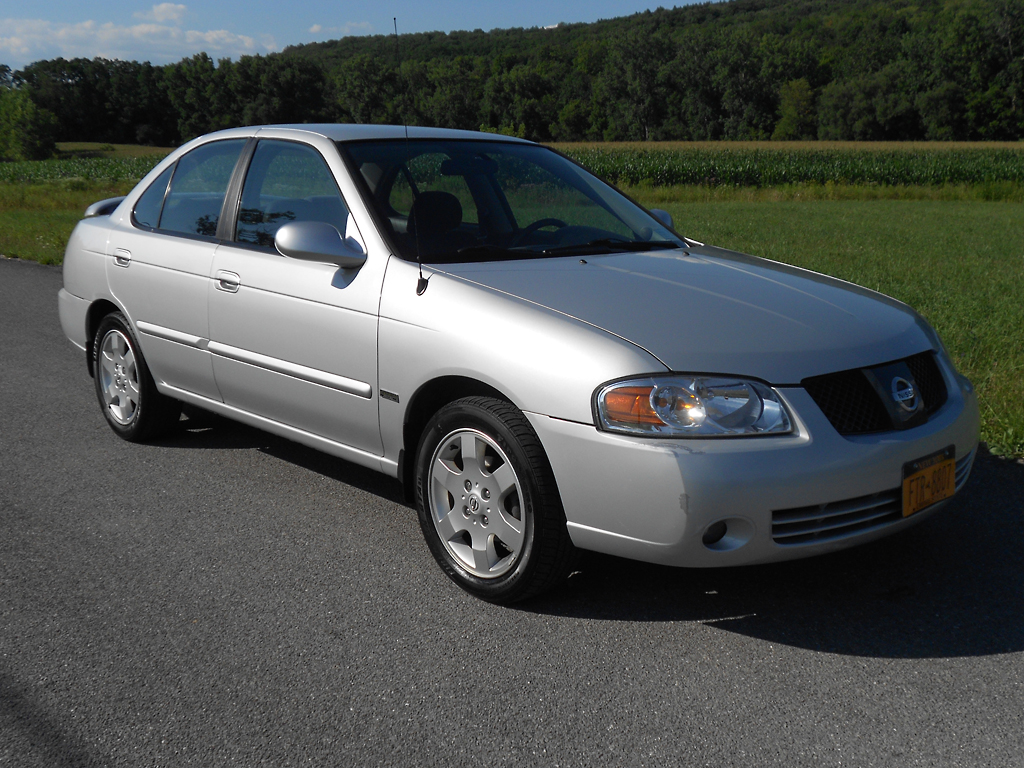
(744, 69)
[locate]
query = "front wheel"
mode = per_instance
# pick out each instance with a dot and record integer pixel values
(133, 407)
(488, 504)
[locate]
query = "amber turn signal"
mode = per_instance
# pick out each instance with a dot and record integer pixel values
(631, 405)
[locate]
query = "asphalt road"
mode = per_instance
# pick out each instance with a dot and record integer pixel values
(226, 597)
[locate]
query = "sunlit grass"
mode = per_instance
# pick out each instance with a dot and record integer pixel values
(36, 219)
(36, 235)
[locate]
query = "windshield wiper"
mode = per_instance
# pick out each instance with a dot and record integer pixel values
(610, 245)
(499, 252)
(473, 252)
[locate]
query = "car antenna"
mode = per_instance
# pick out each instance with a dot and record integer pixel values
(421, 284)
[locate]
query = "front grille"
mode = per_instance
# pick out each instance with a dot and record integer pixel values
(849, 402)
(963, 469)
(825, 522)
(853, 406)
(841, 519)
(929, 381)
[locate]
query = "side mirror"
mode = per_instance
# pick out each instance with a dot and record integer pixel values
(318, 241)
(103, 207)
(663, 216)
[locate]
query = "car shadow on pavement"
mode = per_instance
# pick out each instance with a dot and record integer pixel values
(30, 724)
(952, 586)
(201, 430)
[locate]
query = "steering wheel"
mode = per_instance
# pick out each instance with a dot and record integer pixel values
(529, 229)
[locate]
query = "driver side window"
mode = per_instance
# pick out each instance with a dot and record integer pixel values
(286, 182)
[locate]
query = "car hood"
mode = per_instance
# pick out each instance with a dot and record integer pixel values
(713, 311)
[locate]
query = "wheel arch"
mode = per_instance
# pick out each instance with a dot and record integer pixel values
(425, 402)
(97, 311)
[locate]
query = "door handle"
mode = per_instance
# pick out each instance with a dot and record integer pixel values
(227, 281)
(122, 258)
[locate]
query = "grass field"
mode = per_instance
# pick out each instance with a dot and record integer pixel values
(36, 219)
(90, 149)
(949, 250)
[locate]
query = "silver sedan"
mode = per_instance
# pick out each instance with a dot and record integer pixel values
(544, 364)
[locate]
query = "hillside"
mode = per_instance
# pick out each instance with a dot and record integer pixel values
(740, 70)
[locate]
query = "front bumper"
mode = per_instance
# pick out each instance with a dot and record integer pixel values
(653, 500)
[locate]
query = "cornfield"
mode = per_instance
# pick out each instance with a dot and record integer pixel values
(740, 165)
(744, 167)
(99, 169)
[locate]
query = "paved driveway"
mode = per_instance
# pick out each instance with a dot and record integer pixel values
(226, 597)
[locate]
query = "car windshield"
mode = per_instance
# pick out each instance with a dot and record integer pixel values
(447, 201)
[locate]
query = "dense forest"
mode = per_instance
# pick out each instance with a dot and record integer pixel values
(745, 69)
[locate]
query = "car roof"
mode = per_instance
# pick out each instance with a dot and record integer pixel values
(341, 132)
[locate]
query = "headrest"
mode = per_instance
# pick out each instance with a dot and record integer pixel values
(434, 213)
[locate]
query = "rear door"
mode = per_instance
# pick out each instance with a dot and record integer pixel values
(159, 265)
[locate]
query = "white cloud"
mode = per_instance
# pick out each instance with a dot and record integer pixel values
(25, 40)
(349, 28)
(220, 40)
(163, 12)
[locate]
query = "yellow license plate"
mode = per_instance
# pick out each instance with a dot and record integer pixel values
(929, 480)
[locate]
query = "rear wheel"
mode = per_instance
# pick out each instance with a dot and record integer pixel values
(133, 407)
(487, 501)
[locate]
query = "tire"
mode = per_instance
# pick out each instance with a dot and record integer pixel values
(494, 522)
(133, 407)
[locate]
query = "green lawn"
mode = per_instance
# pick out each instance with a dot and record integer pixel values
(36, 235)
(36, 219)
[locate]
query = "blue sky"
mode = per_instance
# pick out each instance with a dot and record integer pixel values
(168, 31)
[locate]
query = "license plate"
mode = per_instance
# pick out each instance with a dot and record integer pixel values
(929, 480)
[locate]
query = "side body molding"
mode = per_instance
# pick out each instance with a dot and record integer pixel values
(340, 383)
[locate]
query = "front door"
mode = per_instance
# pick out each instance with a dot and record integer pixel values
(295, 341)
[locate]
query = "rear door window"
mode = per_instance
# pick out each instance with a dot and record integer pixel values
(198, 187)
(147, 209)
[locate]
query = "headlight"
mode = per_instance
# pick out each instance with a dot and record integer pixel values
(691, 406)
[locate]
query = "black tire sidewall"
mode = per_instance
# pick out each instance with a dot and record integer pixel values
(473, 413)
(141, 425)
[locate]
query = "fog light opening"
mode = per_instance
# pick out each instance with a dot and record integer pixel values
(715, 533)
(728, 534)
